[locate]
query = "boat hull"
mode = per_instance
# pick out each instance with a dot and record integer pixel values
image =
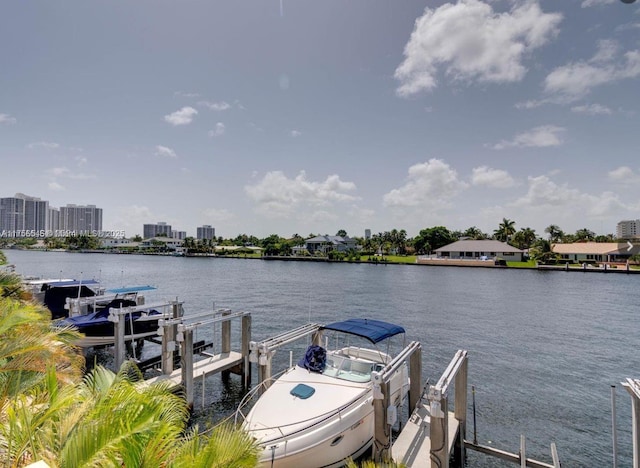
(346, 435)
(312, 434)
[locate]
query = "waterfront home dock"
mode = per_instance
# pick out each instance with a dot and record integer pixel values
(413, 445)
(211, 364)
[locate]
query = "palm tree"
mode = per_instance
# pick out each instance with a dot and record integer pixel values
(29, 346)
(47, 413)
(541, 251)
(584, 235)
(474, 233)
(114, 420)
(524, 238)
(555, 233)
(505, 230)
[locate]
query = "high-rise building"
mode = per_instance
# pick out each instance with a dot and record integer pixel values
(154, 230)
(367, 233)
(24, 213)
(36, 212)
(53, 220)
(181, 235)
(11, 214)
(77, 218)
(628, 229)
(206, 232)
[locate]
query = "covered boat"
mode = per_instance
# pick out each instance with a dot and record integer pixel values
(320, 412)
(98, 326)
(54, 293)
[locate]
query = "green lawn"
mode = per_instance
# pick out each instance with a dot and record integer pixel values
(529, 264)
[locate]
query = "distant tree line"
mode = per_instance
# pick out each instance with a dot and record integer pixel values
(394, 242)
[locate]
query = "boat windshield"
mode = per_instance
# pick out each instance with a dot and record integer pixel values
(347, 368)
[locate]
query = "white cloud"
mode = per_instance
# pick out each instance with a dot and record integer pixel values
(430, 185)
(217, 215)
(66, 173)
(531, 104)
(218, 131)
(43, 144)
(81, 160)
(186, 94)
(295, 133)
(55, 186)
(539, 137)
(165, 152)
(472, 42)
(216, 106)
(590, 3)
(7, 119)
(277, 195)
(494, 178)
(624, 174)
(571, 82)
(556, 201)
(131, 218)
(592, 109)
(183, 116)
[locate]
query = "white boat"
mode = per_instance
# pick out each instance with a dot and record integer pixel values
(319, 413)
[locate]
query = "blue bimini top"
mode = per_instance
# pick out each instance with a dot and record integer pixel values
(373, 330)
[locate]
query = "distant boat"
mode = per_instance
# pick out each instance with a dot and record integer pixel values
(320, 412)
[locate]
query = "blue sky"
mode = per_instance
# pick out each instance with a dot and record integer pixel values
(296, 116)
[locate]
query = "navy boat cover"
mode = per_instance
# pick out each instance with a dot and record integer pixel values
(373, 330)
(315, 359)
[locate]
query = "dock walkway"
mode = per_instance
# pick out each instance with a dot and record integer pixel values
(413, 445)
(212, 364)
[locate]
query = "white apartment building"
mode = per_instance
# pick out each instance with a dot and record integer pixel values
(154, 230)
(628, 229)
(87, 218)
(206, 232)
(23, 213)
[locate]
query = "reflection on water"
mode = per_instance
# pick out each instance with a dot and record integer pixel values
(544, 347)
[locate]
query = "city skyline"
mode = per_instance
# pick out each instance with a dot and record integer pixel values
(260, 118)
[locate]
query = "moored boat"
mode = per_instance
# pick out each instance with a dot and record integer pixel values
(54, 293)
(320, 412)
(84, 305)
(98, 327)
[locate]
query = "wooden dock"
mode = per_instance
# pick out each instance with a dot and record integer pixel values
(413, 445)
(212, 364)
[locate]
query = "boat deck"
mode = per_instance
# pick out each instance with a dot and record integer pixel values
(413, 445)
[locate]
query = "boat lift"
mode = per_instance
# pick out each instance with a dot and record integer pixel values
(262, 352)
(178, 332)
(119, 317)
(633, 387)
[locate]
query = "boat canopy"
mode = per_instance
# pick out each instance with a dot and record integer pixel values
(373, 330)
(131, 289)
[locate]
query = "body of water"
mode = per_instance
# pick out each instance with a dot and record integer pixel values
(544, 347)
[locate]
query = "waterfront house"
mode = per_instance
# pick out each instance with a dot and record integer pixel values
(325, 244)
(163, 244)
(592, 252)
(479, 250)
